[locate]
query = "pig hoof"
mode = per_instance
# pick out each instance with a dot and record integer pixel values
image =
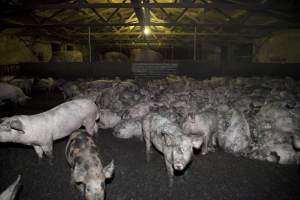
(170, 184)
(148, 158)
(51, 162)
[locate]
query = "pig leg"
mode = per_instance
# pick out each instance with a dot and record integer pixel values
(213, 143)
(148, 147)
(90, 125)
(205, 147)
(48, 150)
(147, 138)
(38, 151)
(170, 171)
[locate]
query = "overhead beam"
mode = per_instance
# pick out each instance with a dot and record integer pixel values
(139, 12)
(114, 12)
(100, 34)
(154, 5)
(164, 11)
(200, 25)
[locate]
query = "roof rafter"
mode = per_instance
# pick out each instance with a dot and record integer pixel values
(204, 25)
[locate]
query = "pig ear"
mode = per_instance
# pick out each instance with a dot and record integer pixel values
(167, 138)
(17, 125)
(78, 174)
(3, 119)
(108, 170)
(197, 141)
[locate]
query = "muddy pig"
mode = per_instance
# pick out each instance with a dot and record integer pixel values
(205, 124)
(42, 129)
(12, 93)
(296, 145)
(108, 119)
(87, 171)
(25, 84)
(11, 191)
(129, 128)
(169, 139)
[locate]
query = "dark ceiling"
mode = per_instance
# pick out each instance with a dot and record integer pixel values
(173, 22)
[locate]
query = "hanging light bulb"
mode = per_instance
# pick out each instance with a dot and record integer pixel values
(147, 30)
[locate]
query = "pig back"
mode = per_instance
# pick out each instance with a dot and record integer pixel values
(63, 119)
(81, 149)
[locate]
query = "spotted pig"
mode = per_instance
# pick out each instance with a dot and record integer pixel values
(87, 171)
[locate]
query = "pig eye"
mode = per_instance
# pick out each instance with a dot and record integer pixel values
(88, 190)
(102, 185)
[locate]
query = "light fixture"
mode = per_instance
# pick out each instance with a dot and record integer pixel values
(147, 30)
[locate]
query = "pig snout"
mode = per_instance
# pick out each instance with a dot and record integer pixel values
(95, 191)
(179, 166)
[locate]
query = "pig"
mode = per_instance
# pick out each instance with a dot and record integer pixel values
(11, 191)
(12, 93)
(6, 78)
(281, 153)
(24, 84)
(108, 119)
(129, 128)
(205, 124)
(296, 145)
(87, 171)
(40, 130)
(69, 90)
(169, 139)
(138, 110)
(48, 84)
(236, 138)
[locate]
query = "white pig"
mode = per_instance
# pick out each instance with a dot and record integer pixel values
(169, 139)
(40, 130)
(236, 138)
(129, 128)
(204, 124)
(11, 191)
(138, 110)
(12, 93)
(296, 145)
(108, 119)
(24, 84)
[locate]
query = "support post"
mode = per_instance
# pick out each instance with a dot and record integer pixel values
(195, 44)
(89, 43)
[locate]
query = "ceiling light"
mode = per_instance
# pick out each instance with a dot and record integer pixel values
(147, 30)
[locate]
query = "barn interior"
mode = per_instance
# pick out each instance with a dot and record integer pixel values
(186, 56)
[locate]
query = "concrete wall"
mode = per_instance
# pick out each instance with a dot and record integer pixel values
(14, 50)
(124, 70)
(281, 47)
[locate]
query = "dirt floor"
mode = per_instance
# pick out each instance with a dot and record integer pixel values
(212, 177)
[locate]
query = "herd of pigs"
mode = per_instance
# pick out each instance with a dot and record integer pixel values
(255, 117)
